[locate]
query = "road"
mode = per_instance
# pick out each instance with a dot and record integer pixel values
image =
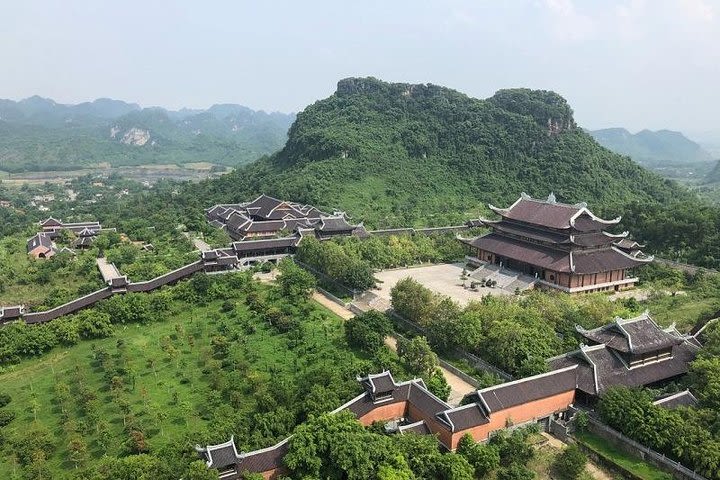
(458, 387)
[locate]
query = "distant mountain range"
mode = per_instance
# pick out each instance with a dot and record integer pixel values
(38, 134)
(669, 153)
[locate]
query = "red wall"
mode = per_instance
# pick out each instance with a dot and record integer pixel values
(518, 414)
(390, 411)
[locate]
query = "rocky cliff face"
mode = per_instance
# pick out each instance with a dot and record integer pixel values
(133, 136)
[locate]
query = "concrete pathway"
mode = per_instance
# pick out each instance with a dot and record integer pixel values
(107, 270)
(199, 243)
(458, 387)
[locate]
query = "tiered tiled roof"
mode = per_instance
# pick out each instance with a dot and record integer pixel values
(633, 335)
(555, 236)
(552, 214)
(609, 362)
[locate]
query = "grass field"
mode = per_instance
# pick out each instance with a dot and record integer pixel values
(684, 310)
(169, 390)
(614, 455)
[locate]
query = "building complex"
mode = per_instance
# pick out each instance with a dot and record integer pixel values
(632, 352)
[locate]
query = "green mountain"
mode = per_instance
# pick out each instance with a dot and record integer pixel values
(38, 134)
(669, 153)
(397, 154)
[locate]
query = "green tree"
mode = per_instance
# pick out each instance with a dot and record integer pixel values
(570, 463)
(483, 457)
(417, 355)
(199, 471)
(438, 385)
(368, 330)
(294, 282)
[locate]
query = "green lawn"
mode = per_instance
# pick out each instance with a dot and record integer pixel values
(684, 310)
(170, 380)
(614, 455)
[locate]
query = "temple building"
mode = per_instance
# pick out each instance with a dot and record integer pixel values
(41, 245)
(564, 247)
(409, 407)
(632, 352)
(267, 217)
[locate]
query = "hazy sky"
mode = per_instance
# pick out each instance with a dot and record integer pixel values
(640, 64)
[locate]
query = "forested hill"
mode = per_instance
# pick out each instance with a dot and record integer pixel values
(401, 154)
(38, 134)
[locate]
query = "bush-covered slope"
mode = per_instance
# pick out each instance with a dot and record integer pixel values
(400, 154)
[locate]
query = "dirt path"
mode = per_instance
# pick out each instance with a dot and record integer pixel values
(342, 312)
(593, 469)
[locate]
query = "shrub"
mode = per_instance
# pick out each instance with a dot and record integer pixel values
(6, 416)
(571, 462)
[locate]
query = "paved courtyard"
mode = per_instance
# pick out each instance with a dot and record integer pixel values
(443, 279)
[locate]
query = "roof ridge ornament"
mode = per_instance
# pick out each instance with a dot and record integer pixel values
(551, 198)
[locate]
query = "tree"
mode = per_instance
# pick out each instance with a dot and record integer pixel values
(513, 447)
(199, 471)
(515, 471)
(570, 463)
(336, 446)
(294, 281)
(368, 330)
(483, 457)
(136, 442)
(78, 450)
(6, 416)
(413, 301)
(437, 384)
(417, 355)
(705, 376)
(451, 466)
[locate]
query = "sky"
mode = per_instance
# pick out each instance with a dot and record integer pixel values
(632, 63)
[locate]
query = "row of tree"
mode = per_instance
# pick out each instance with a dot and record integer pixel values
(515, 334)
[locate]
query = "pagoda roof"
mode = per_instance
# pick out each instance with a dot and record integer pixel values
(420, 428)
(336, 223)
(265, 459)
(634, 335)
(537, 255)
(51, 222)
(39, 239)
(378, 383)
(600, 367)
(628, 244)
(221, 455)
(552, 214)
(527, 231)
(250, 245)
(580, 262)
(525, 390)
